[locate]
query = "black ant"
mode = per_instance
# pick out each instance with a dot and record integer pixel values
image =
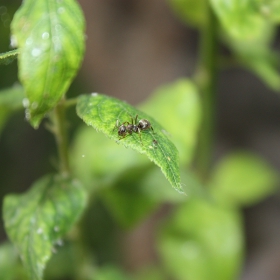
(127, 128)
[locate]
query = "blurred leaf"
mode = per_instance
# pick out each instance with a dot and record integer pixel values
(270, 9)
(10, 100)
(257, 56)
(97, 160)
(51, 40)
(242, 179)
(35, 220)
(202, 241)
(156, 188)
(265, 65)
(127, 199)
(10, 267)
(102, 112)
(150, 273)
(64, 263)
(109, 272)
(8, 57)
(240, 19)
(189, 11)
(177, 107)
(139, 191)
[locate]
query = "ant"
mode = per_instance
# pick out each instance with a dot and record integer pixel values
(128, 128)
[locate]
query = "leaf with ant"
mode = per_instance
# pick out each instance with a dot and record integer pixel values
(104, 113)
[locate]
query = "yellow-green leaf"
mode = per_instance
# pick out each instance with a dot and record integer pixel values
(37, 219)
(102, 112)
(50, 35)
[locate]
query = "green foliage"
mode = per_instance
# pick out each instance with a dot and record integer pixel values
(10, 267)
(50, 35)
(239, 18)
(102, 112)
(192, 12)
(202, 240)
(203, 237)
(37, 219)
(8, 57)
(270, 9)
(176, 106)
(242, 179)
(10, 101)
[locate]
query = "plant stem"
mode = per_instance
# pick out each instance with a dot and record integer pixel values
(60, 132)
(206, 77)
(71, 102)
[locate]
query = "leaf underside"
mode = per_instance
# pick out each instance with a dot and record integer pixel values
(8, 57)
(37, 219)
(50, 35)
(102, 112)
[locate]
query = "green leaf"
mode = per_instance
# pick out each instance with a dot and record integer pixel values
(102, 112)
(257, 56)
(150, 273)
(37, 219)
(189, 11)
(177, 107)
(202, 241)
(112, 160)
(242, 179)
(8, 57)
(264, 64)
(127, 200)
(10, 267)
(270, 9)
(10, 100)
(51, 40)
(109, 272)
(240, 19)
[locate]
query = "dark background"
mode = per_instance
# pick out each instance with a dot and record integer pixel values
(133, 46)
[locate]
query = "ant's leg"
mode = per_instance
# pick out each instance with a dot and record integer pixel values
(136, 119)
(116, 125)
(139, 132)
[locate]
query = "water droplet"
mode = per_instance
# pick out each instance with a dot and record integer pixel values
(59, 242)
(94, 94)
(45, 258)
(29, 41)
(36, 52)
(27, 114)
(34, 105)
(190, 250)
(13, 42)
(3, 10)
(56, 228)
(39, 231)
(7, 23)
(61, 10)
(25, 102)
(45, 36)
(58, 27)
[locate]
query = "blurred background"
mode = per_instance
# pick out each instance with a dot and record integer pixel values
(132, 47)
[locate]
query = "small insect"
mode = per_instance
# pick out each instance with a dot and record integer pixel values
(155, 142)
(144, 124)
(128, 128)
(122, 129)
